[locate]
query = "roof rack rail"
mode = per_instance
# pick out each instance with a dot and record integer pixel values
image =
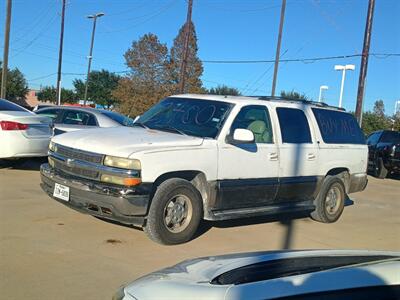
(304, 101)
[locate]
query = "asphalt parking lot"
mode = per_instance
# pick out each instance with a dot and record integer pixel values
(48, 251)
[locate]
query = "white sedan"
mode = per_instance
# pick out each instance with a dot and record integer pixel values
(22, 133)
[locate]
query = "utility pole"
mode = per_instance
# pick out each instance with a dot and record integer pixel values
(94, 17)
(5, 54)
(186, 48)
(278, 47)
(364, 61)
(58, 92)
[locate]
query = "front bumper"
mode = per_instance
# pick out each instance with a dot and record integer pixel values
(394, 164)
(121, 204)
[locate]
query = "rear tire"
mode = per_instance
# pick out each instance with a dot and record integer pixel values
(380, 171)
(329, 203)
(175, 212)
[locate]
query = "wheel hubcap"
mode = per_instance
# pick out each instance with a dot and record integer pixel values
(178, 213)
(333, 199)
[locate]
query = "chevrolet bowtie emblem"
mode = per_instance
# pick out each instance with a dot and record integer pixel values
(70, 162)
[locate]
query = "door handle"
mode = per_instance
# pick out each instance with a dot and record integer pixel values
(310, 156)
(273, 156)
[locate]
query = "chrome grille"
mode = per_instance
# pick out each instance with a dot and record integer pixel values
(74, 170)
(79, 154)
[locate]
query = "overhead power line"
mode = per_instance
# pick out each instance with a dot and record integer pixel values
(376, 55)
(305, 60)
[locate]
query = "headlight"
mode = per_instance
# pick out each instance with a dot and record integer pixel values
(51, 161)
(127, 181)
(52, 146)
(123, 163)
(120, 294)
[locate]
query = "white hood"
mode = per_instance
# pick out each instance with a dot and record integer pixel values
(123, 141)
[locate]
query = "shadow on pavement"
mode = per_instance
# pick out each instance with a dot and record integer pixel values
(29, 164)
(285, 219)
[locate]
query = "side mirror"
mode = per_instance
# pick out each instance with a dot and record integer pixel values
(242, 136)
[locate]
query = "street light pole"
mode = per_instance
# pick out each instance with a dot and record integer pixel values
(342, 86)
(322, 87)
(343, 69)
(94, 17)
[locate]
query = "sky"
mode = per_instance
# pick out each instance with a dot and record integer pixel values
(226, 30)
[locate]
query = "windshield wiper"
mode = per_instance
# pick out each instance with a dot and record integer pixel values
(170, 129)
(140, 124)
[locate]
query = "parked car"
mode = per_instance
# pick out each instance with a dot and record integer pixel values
(69, 118)
(22, 133)
(294, 275)
(384, 152)
(194, 157)
(41, 106)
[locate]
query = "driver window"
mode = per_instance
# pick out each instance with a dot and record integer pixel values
(256, 119)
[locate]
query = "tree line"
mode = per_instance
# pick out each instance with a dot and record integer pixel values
(153, 74)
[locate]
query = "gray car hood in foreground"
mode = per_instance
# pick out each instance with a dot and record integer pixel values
(191, 279)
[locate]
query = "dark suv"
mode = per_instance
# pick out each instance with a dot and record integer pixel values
(384, 152)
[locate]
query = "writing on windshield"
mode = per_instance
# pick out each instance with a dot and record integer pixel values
(201, 118)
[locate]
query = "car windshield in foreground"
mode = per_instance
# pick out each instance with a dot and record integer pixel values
(9, 106)
(121, 119)
(195, 117)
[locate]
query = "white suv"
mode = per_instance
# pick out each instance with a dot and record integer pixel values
(193, 157)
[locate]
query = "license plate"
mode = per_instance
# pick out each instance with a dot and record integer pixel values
(61, 192)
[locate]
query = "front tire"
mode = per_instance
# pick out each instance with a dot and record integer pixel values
(175, 212)
(329, 203)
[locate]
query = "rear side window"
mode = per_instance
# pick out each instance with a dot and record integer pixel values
(338, 127)
(9, 106)
(51, 113)
(78, 118)
(121, 119)
(294, 125)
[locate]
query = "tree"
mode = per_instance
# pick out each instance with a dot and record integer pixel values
(372, 122)
(101, 85)
(48, 93)
(377, 120)
(194, 67)
(379, 108)
(224, 90)
(17, 87)
(147, 82)
(294, 95)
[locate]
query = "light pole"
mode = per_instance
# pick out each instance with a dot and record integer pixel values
(397, 107)
(322, 87)
(343, 68)
(94, 17)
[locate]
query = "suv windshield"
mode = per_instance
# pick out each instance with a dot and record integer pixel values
(121, 119)
(201, 118)
(9, 106)
(390, 137)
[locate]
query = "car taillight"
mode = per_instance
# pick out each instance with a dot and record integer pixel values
(9, 125)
